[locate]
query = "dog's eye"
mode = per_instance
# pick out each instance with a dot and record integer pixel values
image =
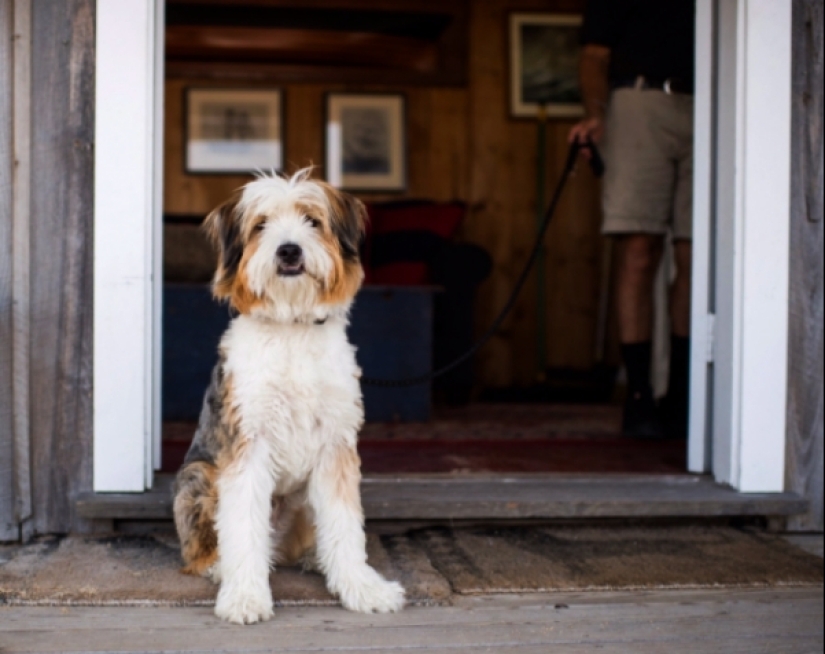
(260, 226)
(314, 222)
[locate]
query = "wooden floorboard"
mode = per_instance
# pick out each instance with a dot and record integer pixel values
(442, 497)
(787, 621)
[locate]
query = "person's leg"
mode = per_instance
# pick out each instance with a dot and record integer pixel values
(638, 258)
(675, 403)
(638, 191)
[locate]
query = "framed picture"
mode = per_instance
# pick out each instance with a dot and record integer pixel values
(366, 141)
(544, 65)
(233, 131)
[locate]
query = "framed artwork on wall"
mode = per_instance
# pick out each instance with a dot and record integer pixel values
(232, 131)
(544, 65)
(365, 142)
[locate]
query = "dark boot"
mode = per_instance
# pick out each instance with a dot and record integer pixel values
(675, 404)
(641, 416)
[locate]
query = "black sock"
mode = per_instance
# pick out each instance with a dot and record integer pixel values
(677, 385)
(637, 361)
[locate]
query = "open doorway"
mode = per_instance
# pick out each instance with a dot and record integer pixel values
(541, 397)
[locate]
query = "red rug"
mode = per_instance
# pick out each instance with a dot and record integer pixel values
(495, 438)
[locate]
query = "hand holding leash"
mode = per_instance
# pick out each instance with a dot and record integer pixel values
(593, 156)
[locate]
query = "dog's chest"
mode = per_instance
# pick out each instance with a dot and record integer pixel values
(294, 385)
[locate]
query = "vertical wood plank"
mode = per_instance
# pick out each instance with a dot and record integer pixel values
(805, 364)
(21, 261)
(490, 222)
(8, 524)
(61, 244)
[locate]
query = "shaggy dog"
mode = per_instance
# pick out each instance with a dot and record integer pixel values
(273, 473)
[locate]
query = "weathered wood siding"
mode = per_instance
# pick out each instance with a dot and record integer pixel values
(61, 258)
(8, 522)
(805, 379)
(462, 144)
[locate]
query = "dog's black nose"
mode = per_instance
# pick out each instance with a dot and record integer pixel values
(289, 253)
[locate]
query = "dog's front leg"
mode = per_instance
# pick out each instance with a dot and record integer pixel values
(335, 496)
(244, 540)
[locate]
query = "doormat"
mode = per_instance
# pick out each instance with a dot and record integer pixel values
(433, 564)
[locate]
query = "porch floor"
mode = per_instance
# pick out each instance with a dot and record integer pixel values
(787, 621)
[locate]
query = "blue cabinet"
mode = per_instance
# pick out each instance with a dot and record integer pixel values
(392, 327)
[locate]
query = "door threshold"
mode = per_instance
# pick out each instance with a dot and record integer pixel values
(504, 497)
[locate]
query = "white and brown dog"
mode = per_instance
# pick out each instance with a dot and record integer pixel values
(273, 472)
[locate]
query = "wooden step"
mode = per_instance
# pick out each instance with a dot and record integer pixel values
(505, 497)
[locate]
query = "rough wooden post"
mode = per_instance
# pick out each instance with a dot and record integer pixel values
(62, 128)
(8, 523)
(805, 356)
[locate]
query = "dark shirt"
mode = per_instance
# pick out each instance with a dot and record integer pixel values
(654, 38)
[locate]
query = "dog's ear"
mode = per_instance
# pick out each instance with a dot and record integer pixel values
(222, 226)
(348, 220)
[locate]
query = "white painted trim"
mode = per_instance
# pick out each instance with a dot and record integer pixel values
(765, 224)
(155, 442)
(724, 201)
(703, 147)
(123, 243)
(753, 219)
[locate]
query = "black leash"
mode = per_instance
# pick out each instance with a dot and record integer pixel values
(597, 165)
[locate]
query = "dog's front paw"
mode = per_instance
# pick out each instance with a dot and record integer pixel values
(369, 592)
(244, 606)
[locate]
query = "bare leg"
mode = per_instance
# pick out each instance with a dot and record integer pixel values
(245, 490)
(334, 494)
(638, 260)
(680, 290)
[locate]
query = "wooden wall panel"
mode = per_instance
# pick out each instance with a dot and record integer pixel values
(805, 379)
(463, 145)
(61, 273)
(8, 522)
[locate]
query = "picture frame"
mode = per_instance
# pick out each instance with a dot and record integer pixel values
(232, 131)
(544, 61)
(365, 142)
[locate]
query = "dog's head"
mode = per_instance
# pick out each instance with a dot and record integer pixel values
(288, 248)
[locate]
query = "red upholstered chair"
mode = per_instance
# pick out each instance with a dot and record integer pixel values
(402, 238)
(411, 243)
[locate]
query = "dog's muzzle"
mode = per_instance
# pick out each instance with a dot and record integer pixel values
(290, 258)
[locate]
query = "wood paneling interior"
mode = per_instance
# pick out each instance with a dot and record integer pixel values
(462, 145)
(320, 41)
(328, 47)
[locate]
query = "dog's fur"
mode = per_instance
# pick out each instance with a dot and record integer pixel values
(273, 472)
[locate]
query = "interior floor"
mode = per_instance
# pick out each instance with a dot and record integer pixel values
(495, 438)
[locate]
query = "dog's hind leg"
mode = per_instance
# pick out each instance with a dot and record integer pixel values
(335, 497)
(194, 509)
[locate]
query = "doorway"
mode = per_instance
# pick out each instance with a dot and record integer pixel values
(127, 334)
(509, 412)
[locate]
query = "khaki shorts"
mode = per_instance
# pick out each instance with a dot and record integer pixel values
(648, 155)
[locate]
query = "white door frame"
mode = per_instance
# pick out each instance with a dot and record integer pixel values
(127, 243)
(742, 258)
